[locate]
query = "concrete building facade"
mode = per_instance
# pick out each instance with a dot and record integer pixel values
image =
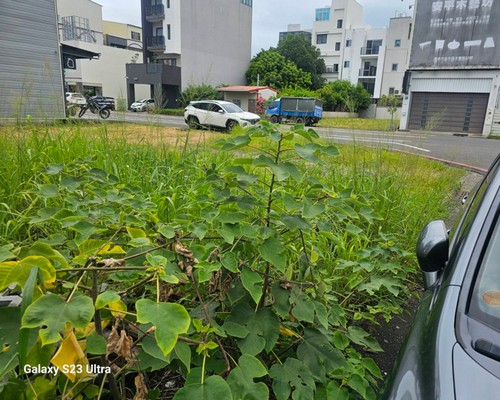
(81, 25)
(454, 68)
(192, 42)
(31, 63)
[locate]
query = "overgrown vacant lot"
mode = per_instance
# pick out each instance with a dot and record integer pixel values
(194, 264)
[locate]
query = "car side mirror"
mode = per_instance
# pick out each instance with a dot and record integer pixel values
(432, 251)
(221, 111)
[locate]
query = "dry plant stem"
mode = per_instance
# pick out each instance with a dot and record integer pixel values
(207, 316)
(136, 285)
(98, 327)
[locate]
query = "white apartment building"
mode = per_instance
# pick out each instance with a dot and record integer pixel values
(192, 42)
(81, 25)
(358, 53)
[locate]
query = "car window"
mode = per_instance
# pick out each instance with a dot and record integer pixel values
(214, 108)
(201, 106)
(485, 300)
(273, 104)
(232, 108)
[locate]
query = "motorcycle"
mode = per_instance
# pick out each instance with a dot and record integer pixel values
(98, 105)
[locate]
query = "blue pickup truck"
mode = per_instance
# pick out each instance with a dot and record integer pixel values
(300, 110)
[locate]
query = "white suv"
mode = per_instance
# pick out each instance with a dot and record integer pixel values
(75, 98)
(219, 114)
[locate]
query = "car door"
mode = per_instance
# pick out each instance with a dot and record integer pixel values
(216, 115)
(201, 112)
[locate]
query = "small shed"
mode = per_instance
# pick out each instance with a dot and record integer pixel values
(246, 96)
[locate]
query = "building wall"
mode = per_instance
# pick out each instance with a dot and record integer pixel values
(108, 73)
(399, 30)
(30, 62)
(216, 41)
(124, 31)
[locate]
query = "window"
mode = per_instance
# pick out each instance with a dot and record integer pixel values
(397, 43)
(347, 64)
(391, 90)
(348, 43)
(394, 67)
(322, 14)
(335, 68)
(168, 32)
(247, 2)
(340, 23)
(321, 38)
(135, 35)
(337, 46)
(168, 3)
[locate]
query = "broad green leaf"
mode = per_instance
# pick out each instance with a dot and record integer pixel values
(9, 336)
(48, 190)
(354, 230)
(53, 169)
(357, 383)
(281, 300)
(295, 222)
(377, 282)
(292, 375)
(234, 142)
(199, 229)
(335, 392)
(371, 366)
(170, 320)
(204, 270)
(340, 340)
(52, 314)
(213, 388)
(229, 232)
(135, 233)
(167, 231)
(241, 379)
(231, 217)
(230, 262)
(360, 336)
(18, 271)
(95, 344)
(5, 252)
(310, 134)
(242, 174)
(273, 251)
(262, 326)
(319, 355)
(28, 297)
(41, 389)
(183, 353)
(111, 300)
(44, 214)
(252, 282)
(303, 308)
(309, 152)
(45, 250)
(312, 210)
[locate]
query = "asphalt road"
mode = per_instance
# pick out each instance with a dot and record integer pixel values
(473, 150)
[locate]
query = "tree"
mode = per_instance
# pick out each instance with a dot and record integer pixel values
(299, 50)
(344, 96)
(392, 103)
(271, 68)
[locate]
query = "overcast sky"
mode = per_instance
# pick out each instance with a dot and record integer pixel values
(272, 16)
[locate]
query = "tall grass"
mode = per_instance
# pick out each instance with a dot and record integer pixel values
(407, 191)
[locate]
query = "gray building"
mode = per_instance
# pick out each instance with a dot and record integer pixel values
(31, 78)
(192, 42)
(454, 67)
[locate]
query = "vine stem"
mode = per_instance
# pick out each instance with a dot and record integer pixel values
(267, 278)
(209, 320)
(90, 261)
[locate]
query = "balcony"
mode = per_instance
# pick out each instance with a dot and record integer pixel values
(332, 70)
(155, 13)
(370, 51)
(369, 72)
(152, 74)
(156, 43)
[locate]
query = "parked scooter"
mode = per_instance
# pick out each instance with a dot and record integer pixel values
(98, 105)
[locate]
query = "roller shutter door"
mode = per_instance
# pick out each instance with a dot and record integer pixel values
(448, 112)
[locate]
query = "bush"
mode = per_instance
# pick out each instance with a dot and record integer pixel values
(343, 96)
(169, 111)
(200, 92)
